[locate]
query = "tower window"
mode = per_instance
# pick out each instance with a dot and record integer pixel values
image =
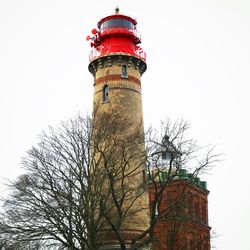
(124, 71)
(166, 158)
(117, 23)
(157, 208)
(105, 96)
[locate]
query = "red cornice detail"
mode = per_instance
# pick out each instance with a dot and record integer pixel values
(117, 77)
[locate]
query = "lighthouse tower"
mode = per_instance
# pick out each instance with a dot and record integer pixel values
(117, 63)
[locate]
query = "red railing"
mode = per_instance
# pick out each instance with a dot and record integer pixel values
(99, 52)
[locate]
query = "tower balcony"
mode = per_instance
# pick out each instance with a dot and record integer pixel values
(116, 48)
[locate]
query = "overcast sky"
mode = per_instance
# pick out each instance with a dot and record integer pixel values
(198, 56)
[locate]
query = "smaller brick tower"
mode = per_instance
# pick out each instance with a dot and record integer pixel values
(185, 206)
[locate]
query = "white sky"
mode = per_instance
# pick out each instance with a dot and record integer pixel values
(198, 55)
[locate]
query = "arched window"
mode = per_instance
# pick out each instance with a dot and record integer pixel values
(105, 96)
(124, 71)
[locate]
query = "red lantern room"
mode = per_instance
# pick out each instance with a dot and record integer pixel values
(116, 34)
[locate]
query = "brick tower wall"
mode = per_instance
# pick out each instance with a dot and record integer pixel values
(121, 74)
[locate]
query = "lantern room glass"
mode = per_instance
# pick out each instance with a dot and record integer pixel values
(117, 23)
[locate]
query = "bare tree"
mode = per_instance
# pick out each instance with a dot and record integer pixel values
(77, 188)
(54, 202)
(171, 155)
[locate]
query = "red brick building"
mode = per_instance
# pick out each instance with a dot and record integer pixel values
(183, 214)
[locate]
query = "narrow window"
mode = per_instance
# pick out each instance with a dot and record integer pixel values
(157, 208)
(105, 97)
(124, 71)
(197, 210)
(166, 158)
(190, 204)
(203, 211)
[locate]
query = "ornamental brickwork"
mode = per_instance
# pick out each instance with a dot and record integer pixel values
(184, 217)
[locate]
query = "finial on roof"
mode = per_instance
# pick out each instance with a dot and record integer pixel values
(117, 10)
